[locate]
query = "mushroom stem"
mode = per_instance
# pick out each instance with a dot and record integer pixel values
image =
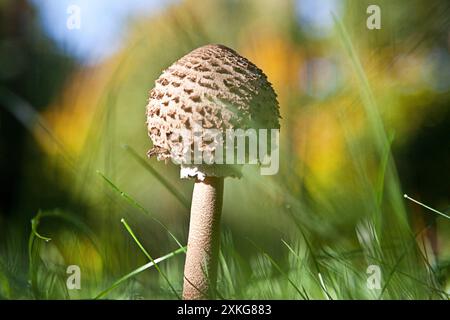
(200, 269)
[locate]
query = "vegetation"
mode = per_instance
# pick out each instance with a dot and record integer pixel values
(365, 119)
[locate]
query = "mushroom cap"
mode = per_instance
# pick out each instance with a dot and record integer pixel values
(212, 87)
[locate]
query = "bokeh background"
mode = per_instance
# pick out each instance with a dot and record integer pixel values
(365, 119)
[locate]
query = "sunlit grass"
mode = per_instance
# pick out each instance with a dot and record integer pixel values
(283, 237)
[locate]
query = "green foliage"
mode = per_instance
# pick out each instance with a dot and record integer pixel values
(291, 236)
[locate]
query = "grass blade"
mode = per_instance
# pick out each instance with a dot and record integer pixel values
(427, 207)
(130, 231)
(375, 121)
(139, 270)
(159, 177)
(275, 264)
(138, 206)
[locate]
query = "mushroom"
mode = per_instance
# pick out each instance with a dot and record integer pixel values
(212, 87)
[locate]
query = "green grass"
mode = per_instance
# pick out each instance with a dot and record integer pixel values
(316, 246)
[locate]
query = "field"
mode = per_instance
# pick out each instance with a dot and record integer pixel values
(365, 120)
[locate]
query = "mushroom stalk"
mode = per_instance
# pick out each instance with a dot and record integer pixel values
(200, 270)
(214, 88)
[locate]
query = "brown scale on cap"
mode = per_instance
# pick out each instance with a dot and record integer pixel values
(214, 86)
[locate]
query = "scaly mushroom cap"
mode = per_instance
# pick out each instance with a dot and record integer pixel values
(214, 87)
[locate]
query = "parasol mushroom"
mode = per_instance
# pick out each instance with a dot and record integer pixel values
(212, 88)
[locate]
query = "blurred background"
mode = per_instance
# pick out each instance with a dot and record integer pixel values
(365, 119)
